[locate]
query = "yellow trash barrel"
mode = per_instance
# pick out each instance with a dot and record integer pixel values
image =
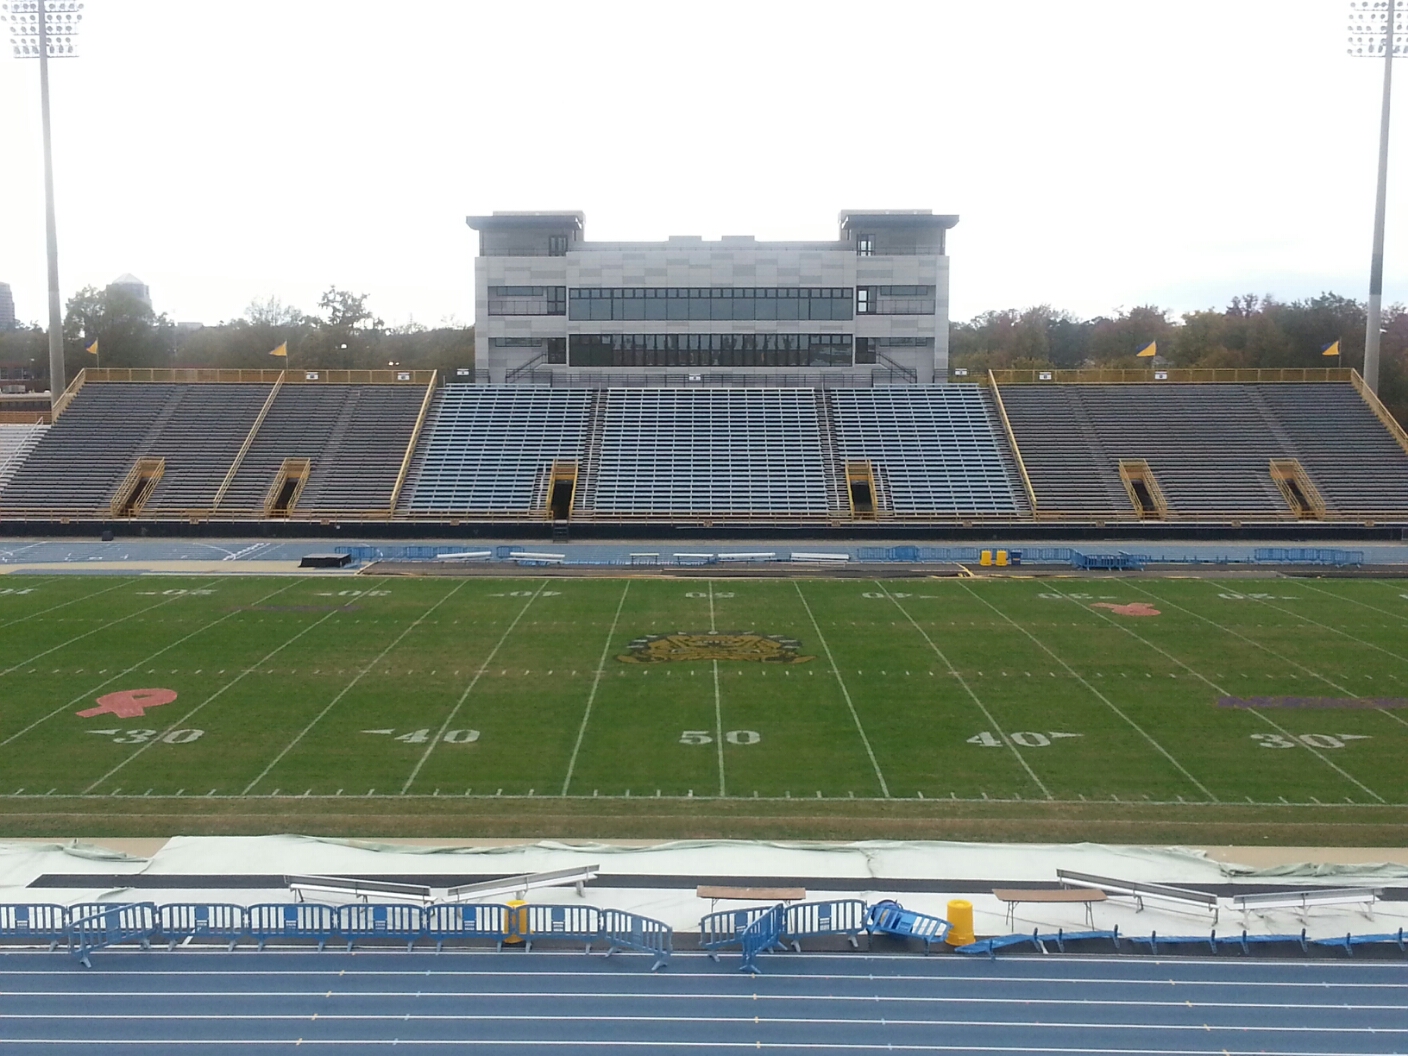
(1002, 559)
(960, 916)
(985, 558)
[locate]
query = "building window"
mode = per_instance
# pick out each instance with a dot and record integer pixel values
(527, 300)
(557, 245)
(863, 299)
(895, 300)
(865, 245)
(729, 304)
(865, 350)
(710, 350)
(557, 350)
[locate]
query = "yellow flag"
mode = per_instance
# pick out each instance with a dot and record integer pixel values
(1332, 349)
(93, 348)
(282, 350)
(1149, 350)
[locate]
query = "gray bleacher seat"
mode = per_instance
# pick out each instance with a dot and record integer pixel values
(16, 441)
(709, 452)
(1355, 462)
(354, 436)
(483, 448)
(87, 453)
(199, 442)
(1209, 446)
(937, 449)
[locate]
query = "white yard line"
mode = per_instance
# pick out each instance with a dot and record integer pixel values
(1272, 652)
(954, 673)
(95, 630)
(718, 701)
(1104, 699)
(415, 771)
(85, 696)
(596, 684)
(348, 688)
(1300, 583)
(1333, 630)
(855, 716)
(219, 692)
(1226, 693)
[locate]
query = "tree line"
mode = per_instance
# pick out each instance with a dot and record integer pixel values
(1252, 331)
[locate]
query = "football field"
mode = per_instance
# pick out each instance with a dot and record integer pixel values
(1105, 693)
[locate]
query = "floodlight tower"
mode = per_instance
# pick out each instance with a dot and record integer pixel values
(44, 30)
(1373, 25)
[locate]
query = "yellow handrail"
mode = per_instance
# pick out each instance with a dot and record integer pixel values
(66, 397)
(224, 376)
(248, 443)
(1012, 439)
(1184, 375)
(1376, 405)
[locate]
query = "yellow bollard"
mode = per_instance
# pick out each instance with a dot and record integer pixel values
(1002, 559)
(518, 917)
(960, 916)
(985, 558)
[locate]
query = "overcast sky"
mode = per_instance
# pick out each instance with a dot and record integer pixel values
(1099, 154)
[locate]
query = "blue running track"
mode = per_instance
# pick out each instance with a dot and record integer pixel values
(245, 1002)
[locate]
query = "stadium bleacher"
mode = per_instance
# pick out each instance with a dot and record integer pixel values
(252, 445)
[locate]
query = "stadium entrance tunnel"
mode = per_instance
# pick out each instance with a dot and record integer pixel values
(288, 486)
(860, 488)
(1143, 488)
(562, 489)
(1300, 493)
(137, 487)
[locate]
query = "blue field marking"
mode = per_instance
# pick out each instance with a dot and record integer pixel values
(562, 1002)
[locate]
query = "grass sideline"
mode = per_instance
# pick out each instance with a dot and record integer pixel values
(973, 709)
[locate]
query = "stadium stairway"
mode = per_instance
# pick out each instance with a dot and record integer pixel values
(16, 442)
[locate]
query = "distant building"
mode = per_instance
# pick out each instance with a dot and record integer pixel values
(867, 308)
(133, 287)
(7, 307)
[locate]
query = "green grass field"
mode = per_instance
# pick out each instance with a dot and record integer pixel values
(398, 693)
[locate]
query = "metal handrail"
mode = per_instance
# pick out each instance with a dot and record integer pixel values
(1012, 440)
(1173, 375)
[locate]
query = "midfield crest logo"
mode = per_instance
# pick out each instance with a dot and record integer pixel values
(714, 645)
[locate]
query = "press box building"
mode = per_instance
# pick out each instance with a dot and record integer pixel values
(870, 308)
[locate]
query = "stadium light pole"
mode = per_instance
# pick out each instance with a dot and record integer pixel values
(44, 30)
(1373, 24)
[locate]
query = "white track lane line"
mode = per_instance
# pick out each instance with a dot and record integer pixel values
(1227, 693)
(1272, 652)
(415, 771)
(855, 716)
(954, 673)
(180, 723)
(591, 696)
(85, 696)
(348, 688)
(1104, 699)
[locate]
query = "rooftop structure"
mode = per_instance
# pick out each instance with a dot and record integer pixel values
(870, 307)
(7, 307)
(133, 287)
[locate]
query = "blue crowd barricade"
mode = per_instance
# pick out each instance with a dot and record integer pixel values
(468, 921)
(806, 920)
(375, 920)
(292, 920)
(1350, 941)
(759, 937)
(990, 946)
(582, 923)
(891, 918)
(35, 922)
(184, 921)
(725, 928)
(108, 924)
(630, 931)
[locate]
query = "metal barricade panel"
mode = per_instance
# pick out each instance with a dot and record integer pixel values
(468, 921)
(582, 923)
(292, 920)
(379, 920)
(844, 916)
(40, 922)
(762, 935)
(629, 931)
(94, 926)
(717, 930)
(201, 920)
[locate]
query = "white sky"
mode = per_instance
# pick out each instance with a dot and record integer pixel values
(1100, 154)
